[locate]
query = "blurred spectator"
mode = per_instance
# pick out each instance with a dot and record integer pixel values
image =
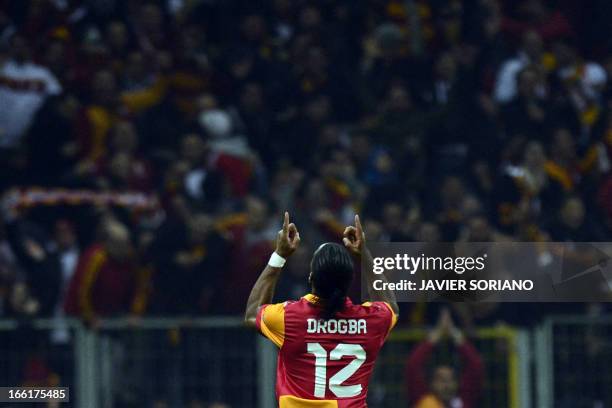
(437, 120)
(450, 210)
(229, 152)
(444, 387)
(51, 141)
(452, 121)
(123, 167)
(98, 118)
(8, 271)
(523, 190)
(427, 232)
(34, 254)
(294, 281)
(478, 229)
(583, 81)
(252, 234)
(68, 252)
(539, 16)
(527, 113)
(399, 117)
(530, 53)
(187, 256)
(563, 166)
(573, 225)
(107, 281)
(24, 86)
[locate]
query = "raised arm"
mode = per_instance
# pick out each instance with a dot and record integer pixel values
(472, 374)
(287, 242)
(416, 365)
(354, 241)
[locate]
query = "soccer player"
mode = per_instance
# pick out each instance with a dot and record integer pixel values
(327, 344)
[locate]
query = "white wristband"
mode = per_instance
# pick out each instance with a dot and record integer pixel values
(276, 261)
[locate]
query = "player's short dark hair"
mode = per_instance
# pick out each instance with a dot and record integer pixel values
(332, 274)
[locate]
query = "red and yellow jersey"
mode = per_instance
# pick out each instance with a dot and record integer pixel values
(325, 363)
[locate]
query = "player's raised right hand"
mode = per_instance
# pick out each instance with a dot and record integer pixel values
(288, 238)
(354, 238)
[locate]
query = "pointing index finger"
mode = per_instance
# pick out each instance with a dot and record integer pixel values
(286, 222)
(358, 226)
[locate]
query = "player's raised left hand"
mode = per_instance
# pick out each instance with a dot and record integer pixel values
(288, 238)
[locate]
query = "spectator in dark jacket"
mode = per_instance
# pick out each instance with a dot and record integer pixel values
(29, 244)
(187, 254)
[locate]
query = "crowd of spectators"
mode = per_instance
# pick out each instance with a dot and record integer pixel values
(436, 120)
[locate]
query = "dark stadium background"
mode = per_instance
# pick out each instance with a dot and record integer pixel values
(145, 170)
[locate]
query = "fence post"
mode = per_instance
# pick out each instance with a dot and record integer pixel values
(82, 359)
(266, 373)
(544, 365)
(86, 367)
(525, 356)
(106, 383)
(81, 382)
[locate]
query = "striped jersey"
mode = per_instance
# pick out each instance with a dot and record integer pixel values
(325, 363)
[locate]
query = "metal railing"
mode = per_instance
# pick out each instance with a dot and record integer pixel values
(136, 363)
(42, 352)
(573, 357)
(180, 361)
(504, 351)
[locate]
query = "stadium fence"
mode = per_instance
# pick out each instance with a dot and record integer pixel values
(573, 356)
(504, 350)
(127, 363)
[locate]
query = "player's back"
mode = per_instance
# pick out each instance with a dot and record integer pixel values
(325, 362)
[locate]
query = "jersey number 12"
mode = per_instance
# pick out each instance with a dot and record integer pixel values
(341, 350)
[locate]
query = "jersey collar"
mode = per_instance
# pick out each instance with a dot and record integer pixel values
(313, 299)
